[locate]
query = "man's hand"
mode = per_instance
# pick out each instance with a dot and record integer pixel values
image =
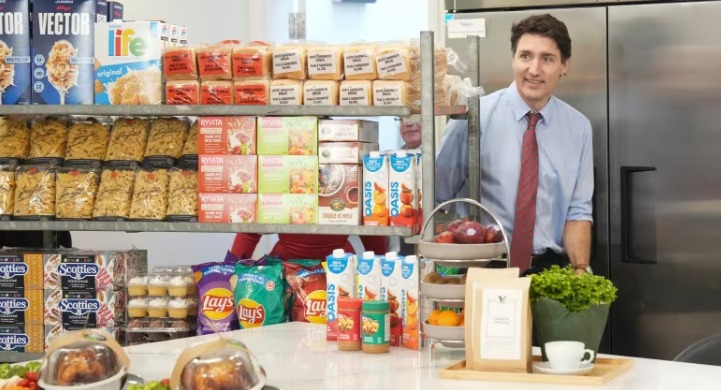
(577, 242)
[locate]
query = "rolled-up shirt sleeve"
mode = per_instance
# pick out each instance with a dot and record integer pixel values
(581, 207)
(452, 162)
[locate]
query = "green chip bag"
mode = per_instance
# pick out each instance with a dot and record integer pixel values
(260, 294)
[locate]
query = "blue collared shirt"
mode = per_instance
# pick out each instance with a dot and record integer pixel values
(565, 176)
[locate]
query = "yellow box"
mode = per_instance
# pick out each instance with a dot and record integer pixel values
(20, 271)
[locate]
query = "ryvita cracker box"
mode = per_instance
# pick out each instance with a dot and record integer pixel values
(62, 51)
(15, 52)
(127, 60)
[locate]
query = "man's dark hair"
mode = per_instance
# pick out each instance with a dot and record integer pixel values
(545, 26)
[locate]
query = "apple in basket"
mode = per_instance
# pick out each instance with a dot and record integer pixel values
(461, 231)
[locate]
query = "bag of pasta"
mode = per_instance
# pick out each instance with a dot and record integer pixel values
(189, 157)
(14, 140)
(115, 194)
(34, 193)
(48, 141)
(128, 139)
(7, 191)
(87, 143)
(165, 142)
(183, 195)
(76, 188)
(150, 195)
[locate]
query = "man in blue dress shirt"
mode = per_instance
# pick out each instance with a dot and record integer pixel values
(536, 171)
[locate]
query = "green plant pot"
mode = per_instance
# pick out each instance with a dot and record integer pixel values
(553, 322)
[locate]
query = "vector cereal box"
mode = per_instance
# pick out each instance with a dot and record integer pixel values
(127, 58)
(15, 52)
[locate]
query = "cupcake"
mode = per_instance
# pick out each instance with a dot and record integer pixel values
(137, 307)
(178, 286)
(192, 287)
(192, 305)
(158, 285)
(158, 307)
(138, 286)
(178, 308)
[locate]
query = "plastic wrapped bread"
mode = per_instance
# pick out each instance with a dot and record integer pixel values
(440, 63)
(356, 93)
(191, 143)
(394, 61)
(34, 192)
(216, 92)
(7, 189)
(215, 61)
(76, 189)
(325, 63)
(391, 93)
(182, 92)
(180, 63)
(183, 193)
(128, 140)
(359, 62)
(252, 61)
(115, 193)
(48, 139)
(289, 62)
(14, 138)
(87, 141)
(286, 92)
(251, 91)
(167, 137)
(320, 93)
(150, 195)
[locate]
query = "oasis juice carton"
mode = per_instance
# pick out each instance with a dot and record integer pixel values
(409, 302)
(375, 189)
(419, 190)
(403, 203)
(340, 282)
(369, 276)
(391, 292)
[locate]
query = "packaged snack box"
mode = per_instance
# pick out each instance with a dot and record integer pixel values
(338, 194)
(228, 174)
(287, 209)
(227, 135)
(228, 208)
(288, 174)
(351, 152)
(288, 136)
(347, 130)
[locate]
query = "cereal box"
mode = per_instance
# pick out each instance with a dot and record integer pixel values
(338, 194)
(369, 277)
(347, 130)
(84, 309)
(115, 11)
(22, 338)
(63, 51)
(391, 285)
(226, 135)
(20, 271)
(288, 136)
(288, 174)
(101, 11)
(403, 203)
(216, 309)
(228, 208)
(375, 189)
(127, 58)
(344, 152)
(409, 302)
(287, 209)
(340, 282)
(21, 307)
(79, 270)
(15, 52)
(227, 174)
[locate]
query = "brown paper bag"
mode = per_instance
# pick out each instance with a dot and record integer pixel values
(498, 326)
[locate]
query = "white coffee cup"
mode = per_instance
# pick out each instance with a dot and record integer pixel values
(565, 355)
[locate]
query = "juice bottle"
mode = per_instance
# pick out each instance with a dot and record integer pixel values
(340, 282)
(375, 189)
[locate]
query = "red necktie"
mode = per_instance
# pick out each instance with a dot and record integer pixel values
(522, 244)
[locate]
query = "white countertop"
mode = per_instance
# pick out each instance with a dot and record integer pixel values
(297, 356)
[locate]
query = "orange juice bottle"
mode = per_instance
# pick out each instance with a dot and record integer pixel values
(375, 189)
(403, 206)
(409, 302)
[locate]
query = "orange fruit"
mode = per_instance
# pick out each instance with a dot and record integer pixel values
(433, 317)
(463, 320)
(448, 318)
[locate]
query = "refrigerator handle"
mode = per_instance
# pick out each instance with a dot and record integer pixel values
(626, 172)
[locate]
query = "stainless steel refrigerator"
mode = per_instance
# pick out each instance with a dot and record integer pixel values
(647, 75)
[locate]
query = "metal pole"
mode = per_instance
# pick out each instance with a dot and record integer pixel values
(428, 146)
(474, 127)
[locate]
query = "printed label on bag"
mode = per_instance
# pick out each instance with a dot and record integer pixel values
(359, 63)
(355, 96)
(391, 64)
(322, 62)
(286, 62)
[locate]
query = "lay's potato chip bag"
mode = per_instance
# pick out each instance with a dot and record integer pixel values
(216, 309)
(306, 291)
(260, 293)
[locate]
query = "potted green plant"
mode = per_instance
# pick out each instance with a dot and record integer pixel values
(570, 306)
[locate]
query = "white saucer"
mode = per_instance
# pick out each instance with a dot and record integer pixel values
(545, 368)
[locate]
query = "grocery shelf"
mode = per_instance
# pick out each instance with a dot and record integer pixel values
(182, 110)
(453, 111)
(195, 227)
(17, 357)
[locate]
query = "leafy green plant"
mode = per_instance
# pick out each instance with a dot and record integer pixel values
(574, 291)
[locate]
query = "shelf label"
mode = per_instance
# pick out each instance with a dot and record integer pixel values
(461, 28)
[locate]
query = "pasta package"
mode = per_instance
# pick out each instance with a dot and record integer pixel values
(289, 62)
(150, 195)
(48, 139)
(252, 61)
(320, 93)
(76, 190)
(216, 92)
(14, 139)
(325, 63)
(167, 138)
(215, 62)
(128, 139)
(359, 62)
(7, 189)
(251, 92)
(34, 192)
(182, 92)
(179, 63)
(87, 141)
(191, 144)
(286, 92)
(115, 194)
(183, 194)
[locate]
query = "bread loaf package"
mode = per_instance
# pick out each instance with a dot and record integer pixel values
(325, 63)
(289, 62)
(391, 93)
(215, 61)
(498, 324)
(216, 92)
(393, 61)
(286, 92)
(359, 62)
(356, 93)
(252, 61)
(251, 91)
(320, 93)
(180, 63)
(182, 92)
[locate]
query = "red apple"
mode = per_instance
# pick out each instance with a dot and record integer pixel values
(453, 226)
(493, 234)
(469, 232)
(444, 238)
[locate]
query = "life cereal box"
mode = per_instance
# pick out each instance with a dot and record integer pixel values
(127, 58)
(15, 52)
(63, 51)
